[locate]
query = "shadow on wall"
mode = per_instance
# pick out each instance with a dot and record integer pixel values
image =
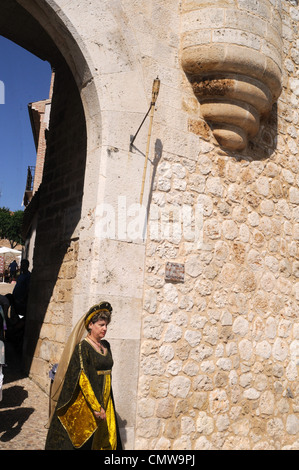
(157, 157)
(265, 142)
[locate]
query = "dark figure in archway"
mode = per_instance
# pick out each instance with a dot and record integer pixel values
(21, 290)
(15, 319)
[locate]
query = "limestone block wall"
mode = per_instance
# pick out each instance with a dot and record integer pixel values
(110, 50)
(219, 348)
(55, 262)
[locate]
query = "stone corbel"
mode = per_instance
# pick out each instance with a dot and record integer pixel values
(235, 83)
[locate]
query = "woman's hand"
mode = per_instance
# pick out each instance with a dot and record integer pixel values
(100, 414)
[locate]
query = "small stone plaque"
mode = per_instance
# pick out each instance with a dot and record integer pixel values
(174, 272)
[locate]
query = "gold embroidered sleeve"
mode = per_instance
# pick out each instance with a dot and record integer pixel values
(88, 392)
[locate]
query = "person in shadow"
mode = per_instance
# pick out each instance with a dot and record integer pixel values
(13, 270)
(2, 350)
(16, 315)
(21, 289)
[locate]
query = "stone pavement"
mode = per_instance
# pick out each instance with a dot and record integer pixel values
(24, 406)
(23, 409)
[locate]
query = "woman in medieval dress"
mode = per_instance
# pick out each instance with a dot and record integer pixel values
(82, 412)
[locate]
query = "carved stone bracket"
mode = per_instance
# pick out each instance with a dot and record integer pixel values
(236, 75)
(233, 105)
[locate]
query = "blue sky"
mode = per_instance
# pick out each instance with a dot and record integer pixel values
(26, 78)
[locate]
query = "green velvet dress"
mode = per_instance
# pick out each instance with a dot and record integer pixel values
(86, 388)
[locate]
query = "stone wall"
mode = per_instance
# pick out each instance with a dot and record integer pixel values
(219, 349)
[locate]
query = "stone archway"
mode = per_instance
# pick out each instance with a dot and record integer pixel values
(58, 26)
(59, 200)
(72, 264)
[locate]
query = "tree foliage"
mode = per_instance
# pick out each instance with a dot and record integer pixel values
(11, 226)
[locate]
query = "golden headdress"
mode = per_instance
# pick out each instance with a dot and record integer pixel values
(103, 307)
(74, 338)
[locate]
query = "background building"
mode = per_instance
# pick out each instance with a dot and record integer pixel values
(39, 113)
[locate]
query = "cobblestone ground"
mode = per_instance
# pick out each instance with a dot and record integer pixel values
(23, 409)
(24, 406)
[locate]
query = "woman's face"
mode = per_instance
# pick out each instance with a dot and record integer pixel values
(98, 329)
